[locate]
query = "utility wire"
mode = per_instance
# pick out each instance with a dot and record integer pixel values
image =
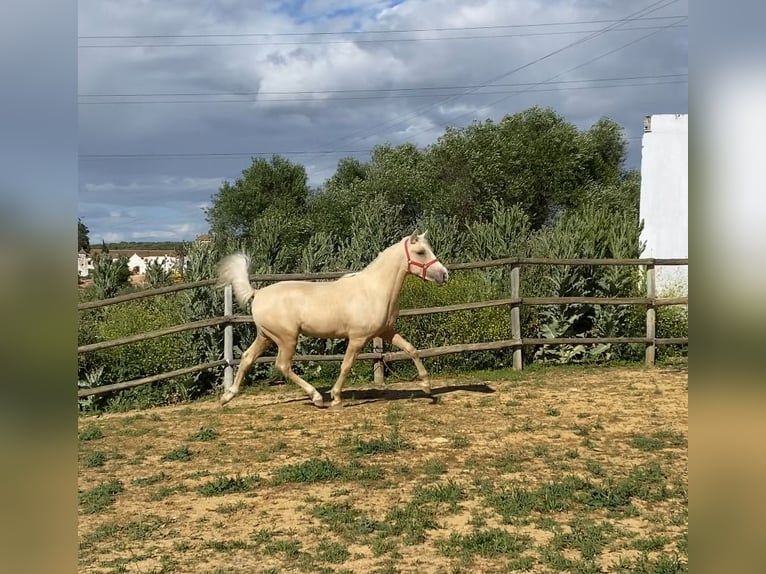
(653, 7)
(362, 32)
(383, 93)
(361, 41)
(552, 78)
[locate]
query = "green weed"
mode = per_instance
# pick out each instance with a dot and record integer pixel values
(100, 497)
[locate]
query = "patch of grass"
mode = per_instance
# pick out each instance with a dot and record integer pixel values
(204, 434)
(460, 441)
(662, 564)
(332, 552)
(522, 564)
(95, 459)
(594, 467)
(509, 461)
(552, 412)
(313, 470)
(646, 482)
(572, 453)
(165, 491)
(411, 521)
(90, 432)
(514, 501)
(540, 450)
(381, 445)
(585, 535)
(449, 492)
(289, 548)
(434, 468)
(154, 479)
(394, 415)
(138, 530)
(346, 521)
(101, 496)
(227, 485)
(658, 440)
(381, 546)
(226, 545)
(182, 453)
(488, 543)
(232, 508)
(650, 544)
(278, 446)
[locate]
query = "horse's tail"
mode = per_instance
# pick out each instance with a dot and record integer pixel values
(233, 270)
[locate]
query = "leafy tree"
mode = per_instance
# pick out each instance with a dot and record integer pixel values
(157, 275)
(109, 275)
(277, 185)
(398, 175)
(83, 239)
(534, 158)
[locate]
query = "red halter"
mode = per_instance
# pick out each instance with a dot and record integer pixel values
(410, 262)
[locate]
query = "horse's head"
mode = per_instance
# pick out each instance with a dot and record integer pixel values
(421, 260)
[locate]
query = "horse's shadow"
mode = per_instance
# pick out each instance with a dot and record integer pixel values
(361, 397)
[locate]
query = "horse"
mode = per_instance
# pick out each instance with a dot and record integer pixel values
(358, 306)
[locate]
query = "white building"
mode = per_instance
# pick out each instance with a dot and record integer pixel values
(664, 205)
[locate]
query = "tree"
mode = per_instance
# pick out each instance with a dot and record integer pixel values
(534, 159)
(109, 275)
(267, 185)
(83, 241)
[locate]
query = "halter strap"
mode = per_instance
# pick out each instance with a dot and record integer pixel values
(410, 262)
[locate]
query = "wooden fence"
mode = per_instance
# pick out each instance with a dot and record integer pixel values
(517, 341)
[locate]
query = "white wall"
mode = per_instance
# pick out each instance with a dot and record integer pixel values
(664, 203)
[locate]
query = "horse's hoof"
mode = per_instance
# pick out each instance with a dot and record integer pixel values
(317, 400)
(426, 388)
(226, 398)
(336, 406)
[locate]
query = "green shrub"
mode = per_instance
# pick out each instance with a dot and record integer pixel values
(144, 358)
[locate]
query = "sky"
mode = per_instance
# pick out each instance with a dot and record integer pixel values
(175, 97)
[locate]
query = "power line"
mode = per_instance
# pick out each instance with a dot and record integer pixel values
(199, 155)
(363, 41)
(229, 155)
(361, 90)
(552, 78)
(374, 97)
(653, 7)
(362, 32)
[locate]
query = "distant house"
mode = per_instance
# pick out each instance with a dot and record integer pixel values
(84, 263)
(664, 204)
(137, 260)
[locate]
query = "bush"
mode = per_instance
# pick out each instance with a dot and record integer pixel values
(440, 329)
(145, 358)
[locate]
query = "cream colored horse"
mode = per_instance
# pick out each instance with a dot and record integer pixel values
(357, 307)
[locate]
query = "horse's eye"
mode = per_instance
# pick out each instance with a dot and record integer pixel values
(420, 252)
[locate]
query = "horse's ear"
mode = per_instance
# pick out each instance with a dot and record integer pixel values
(414, 237)
(423, 235)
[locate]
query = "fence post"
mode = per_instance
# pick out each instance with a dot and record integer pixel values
(228, 339)
(516, 316)
(377, 366)
(651, 315)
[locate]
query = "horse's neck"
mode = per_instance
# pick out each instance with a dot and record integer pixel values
(388, 273)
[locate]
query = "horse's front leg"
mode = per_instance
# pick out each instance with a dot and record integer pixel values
(352, 351)
(398, 341)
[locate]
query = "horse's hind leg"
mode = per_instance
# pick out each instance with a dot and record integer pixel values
(254, 351)
(284, 364)
(399, 341)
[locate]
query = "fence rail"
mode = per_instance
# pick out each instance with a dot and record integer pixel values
(515, 302)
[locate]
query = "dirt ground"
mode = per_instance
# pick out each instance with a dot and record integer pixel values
(395, 481)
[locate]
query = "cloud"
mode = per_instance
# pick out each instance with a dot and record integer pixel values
(340, 119)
